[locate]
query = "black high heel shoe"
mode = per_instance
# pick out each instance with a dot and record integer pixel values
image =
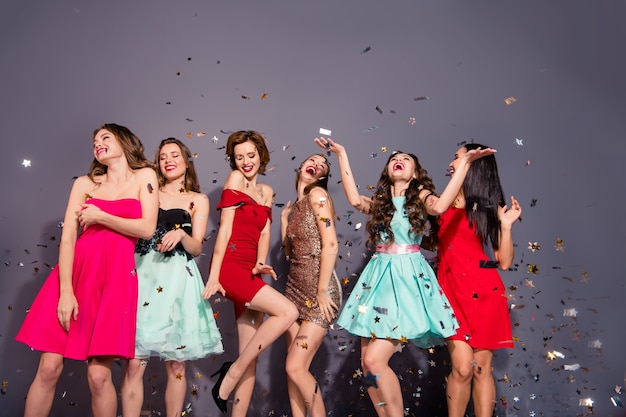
(221, 404)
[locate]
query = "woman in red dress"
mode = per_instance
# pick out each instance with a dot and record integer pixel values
(86, 309)
(472, 284)
(238, 262)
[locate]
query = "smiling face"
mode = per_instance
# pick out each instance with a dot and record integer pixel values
(247, 159)
(172, 163)
(106, 146)
(401, 166)
(455, 162)
(314, 168)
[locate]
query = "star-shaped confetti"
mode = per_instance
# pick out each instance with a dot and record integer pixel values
(26, 163)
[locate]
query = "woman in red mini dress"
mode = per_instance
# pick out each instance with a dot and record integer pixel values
(86, 309)
(472, 284)
(238, 262)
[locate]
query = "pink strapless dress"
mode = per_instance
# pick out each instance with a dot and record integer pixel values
(105, 285)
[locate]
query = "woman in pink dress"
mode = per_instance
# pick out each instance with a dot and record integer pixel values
(86, 309)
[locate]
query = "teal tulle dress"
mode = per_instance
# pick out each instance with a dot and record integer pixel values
(174, 322)
(397, 295)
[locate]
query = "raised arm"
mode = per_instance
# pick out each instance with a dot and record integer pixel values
(358, 201)
(438, 205)
(505, 253)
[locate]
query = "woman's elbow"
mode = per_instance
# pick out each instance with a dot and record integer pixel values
(147, 232)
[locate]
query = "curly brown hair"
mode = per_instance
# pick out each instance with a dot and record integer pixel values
(131, 145)
(244, 136)
(191, 178)
(382, 208)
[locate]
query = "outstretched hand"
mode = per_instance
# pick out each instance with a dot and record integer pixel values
(213, 287)
(329, 145)
(474, 154)
(261, 269)
(508, 216)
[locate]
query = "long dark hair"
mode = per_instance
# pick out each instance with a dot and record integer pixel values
(483, 195)
(382, 208)
(191, 178)
(131, 145)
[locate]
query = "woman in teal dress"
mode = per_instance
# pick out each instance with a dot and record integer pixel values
(397, 297)
(174, 322)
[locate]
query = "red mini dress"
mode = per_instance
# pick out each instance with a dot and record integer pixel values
(241, 251)
(472, 284)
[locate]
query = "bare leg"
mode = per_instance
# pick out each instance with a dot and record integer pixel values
(103, 394)
(387, 398)
(304, 392)
(175, 389)
(282, 314)
(132, 388)
(484, 388)
(459, 382)
(247, 325)
(41, 393)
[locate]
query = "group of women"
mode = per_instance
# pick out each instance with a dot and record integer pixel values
(127, 285)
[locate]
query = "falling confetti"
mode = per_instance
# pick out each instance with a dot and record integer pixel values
(510, 100)
(412, 120)
(366, 50)
(533, 246)
(26, 163)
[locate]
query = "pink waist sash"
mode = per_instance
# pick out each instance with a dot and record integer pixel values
(398, 248)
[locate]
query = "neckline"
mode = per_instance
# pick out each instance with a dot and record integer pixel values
(116, 199)
(247, 195)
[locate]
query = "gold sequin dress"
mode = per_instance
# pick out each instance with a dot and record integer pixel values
(304, 270)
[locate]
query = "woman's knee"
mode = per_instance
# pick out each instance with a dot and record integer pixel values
(291, 312)
(99, 377)
(294, 368)
(463, 373)
(176, 369)
(50, 369)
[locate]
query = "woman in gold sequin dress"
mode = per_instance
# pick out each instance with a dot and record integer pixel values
(310, 241)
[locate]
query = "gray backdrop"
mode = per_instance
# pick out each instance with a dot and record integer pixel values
(364, 69)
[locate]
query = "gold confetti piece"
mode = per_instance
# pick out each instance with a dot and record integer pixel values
(559, 245)
(533, 269)
(189, 135)
(510, 100)
(263, 96)
(383, 149)
(159, 289)
(534, 246)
